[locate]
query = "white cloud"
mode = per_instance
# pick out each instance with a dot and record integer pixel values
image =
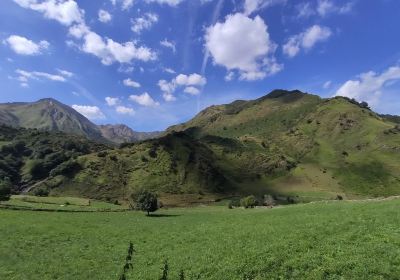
(369, 86)
(172, 3)
(243, 44)
(125, 4)
(169, 70)
(144, 23)
(168, 97)
(25, 76)
(190, 82)
(144, 99)
(326, 7)
(306, 40)
(110, 51)
(65, 73)
(104, 16)
(229, 76)
(130, 83)
(250, 6)
(90, 112)
(169, 44)
(66, 12)
(125, 110)
(112, 101)
(192, 90)
(24, 46)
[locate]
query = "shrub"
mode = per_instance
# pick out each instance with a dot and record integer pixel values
(41, 192)
(339, 197)
(234, 203)
(249, 202)
(66, 168)
(145, 201)
(5, 189)
(268, 200)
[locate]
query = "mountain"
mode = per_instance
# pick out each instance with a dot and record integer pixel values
(50, 115)
(121, 133)
(290, 144)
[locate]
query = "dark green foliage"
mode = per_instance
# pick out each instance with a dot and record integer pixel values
(145, 201)
(249, 202)
(234, 203)
(67, 168)
(41, 192)
(42, 152)
(5, 189)
(128, 262)
(181, 275)
(165, 269)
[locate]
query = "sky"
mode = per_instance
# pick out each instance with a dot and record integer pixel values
(150, 64)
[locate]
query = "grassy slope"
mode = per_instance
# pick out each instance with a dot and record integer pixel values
(339, 147)
(338, 240)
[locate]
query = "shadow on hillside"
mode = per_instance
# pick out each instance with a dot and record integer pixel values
(163, 215)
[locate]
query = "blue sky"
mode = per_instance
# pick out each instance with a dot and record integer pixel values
(154, 63)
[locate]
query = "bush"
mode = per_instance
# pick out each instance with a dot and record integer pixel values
(234, 203)
(249, 202)
(268, 200)
(5, 189)
(66, 168)
(145, 201)
(41, 192)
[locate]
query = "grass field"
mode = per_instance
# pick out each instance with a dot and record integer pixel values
(327, 240)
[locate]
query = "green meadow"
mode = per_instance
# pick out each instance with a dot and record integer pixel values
(324, 240)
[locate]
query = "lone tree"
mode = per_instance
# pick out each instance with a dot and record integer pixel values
(5, 189)
(145, 201)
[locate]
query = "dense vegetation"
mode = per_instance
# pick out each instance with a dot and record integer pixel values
(28, 156)
(337, 240)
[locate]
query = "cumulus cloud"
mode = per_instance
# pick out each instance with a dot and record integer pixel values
(190, 82)
(191, 90)
(66, 12)
(144, 99)
(130, 83)
(90, 112)
(125, 110)
(110, 51)
(243, 44)
(306, 40)
(250, 6)
(104, 16)
(24, 46)
(144, 23)
(168, 44)
(112, 101)
(369, 86)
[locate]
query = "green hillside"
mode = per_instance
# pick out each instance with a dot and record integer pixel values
(289, 144)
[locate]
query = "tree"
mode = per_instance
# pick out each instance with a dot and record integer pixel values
(145, 201)
(249, 202)
(5, 189)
